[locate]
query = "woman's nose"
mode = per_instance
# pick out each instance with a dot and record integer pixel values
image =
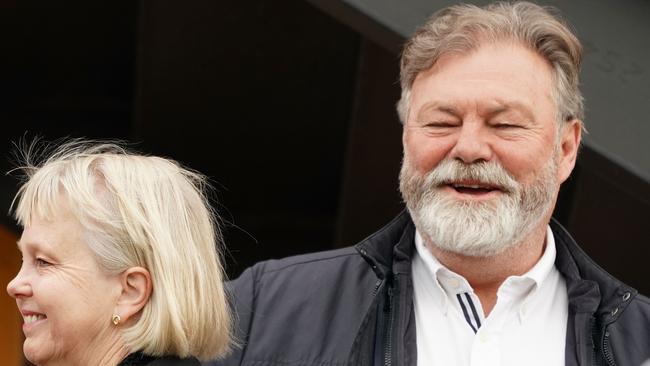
(18, 286)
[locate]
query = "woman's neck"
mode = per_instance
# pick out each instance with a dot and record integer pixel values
(104, 350)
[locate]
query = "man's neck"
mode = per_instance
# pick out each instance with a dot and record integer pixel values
(486, 274)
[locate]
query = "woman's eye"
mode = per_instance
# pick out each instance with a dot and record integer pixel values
(40, 262)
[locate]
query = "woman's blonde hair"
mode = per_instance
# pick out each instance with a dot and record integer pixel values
(141, 211)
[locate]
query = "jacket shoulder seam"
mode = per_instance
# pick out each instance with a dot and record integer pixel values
(288, 265)
(643, 299)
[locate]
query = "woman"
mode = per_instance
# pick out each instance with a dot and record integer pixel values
(120, 264)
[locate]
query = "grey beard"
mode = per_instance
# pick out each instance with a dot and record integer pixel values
(477, 229)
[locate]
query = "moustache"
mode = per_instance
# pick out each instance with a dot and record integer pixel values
(488, 175)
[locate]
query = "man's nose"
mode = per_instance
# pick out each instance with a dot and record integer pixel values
(19, 286)
(472, 144)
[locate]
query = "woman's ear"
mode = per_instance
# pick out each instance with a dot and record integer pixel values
(136, 291)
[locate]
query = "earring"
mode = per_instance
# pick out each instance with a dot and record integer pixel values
(116, 319)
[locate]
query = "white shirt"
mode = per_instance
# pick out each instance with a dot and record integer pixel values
(527, 325)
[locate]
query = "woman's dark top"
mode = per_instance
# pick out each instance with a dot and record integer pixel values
(140, 359)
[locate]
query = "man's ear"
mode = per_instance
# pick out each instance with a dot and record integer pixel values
(136, 291)
(571, 135)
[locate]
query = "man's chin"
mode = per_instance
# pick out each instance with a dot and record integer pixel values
(482, 250)
(468, 228)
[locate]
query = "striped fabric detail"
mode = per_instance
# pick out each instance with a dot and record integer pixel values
(473, 320)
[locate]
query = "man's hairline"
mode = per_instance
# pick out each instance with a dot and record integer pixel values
(555, 94)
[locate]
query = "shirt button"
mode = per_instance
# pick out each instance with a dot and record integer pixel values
(483, 338)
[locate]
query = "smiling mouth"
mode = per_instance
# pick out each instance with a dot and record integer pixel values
(473, 188)
(32, 318)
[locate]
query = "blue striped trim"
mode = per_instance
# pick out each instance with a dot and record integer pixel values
(471, 305)
(477, 320)
(462, 305)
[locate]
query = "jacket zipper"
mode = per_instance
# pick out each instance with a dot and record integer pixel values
(388, 344)
(594, 331)
(606, 352)
(377, 286)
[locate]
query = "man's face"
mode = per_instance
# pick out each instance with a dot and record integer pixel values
(490, 118)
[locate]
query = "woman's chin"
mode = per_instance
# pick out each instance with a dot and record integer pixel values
(35, 353)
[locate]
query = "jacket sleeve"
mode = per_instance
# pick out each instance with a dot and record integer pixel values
(241, 295)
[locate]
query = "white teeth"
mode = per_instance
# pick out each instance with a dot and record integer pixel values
(474, 186)
(33, 318)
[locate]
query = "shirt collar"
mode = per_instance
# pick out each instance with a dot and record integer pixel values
(447, 282)
(544, 265)
(450, 283)
(527, 285)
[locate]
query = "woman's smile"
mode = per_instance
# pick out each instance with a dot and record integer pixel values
(31, 320)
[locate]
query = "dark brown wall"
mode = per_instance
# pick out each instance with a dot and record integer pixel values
(257, 95)
(369, 194)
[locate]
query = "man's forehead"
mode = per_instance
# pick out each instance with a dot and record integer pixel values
(492, 56)
(494, 78)
(495, 105)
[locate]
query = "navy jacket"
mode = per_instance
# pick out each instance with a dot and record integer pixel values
(354, 306)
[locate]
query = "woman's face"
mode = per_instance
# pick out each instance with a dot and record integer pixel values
(65, 299)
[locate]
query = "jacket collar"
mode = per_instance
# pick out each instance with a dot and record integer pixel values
(389, 249)
(590, 288)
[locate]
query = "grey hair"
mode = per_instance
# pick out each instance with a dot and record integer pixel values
(462, 28)
(142, 211)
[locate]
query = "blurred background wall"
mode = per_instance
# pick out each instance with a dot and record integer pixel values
(288, 107)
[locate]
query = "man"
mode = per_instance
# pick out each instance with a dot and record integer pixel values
(475, 272)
